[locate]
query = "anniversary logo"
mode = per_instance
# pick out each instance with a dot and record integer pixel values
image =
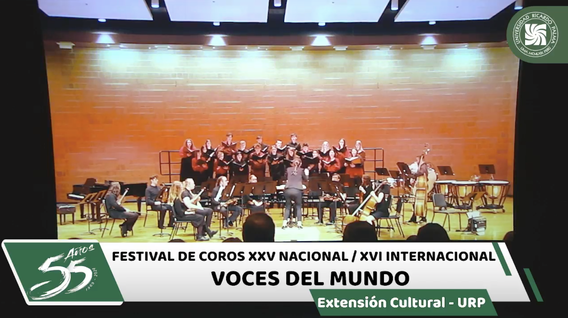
(363, 279)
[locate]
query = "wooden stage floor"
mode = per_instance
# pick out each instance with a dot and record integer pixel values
(498, 224)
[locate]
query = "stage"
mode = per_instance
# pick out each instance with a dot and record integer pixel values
(498, 224)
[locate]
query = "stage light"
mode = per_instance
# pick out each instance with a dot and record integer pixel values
(432, 22)
(216, 23)
(321, 24)
(518, 4)
(65, 45)
(277, 3)
(321, 40)
(217, 40)
(102, 20)
(394, 5)
(340, 48)
(429, 40)
(155, 4)
(105, 39)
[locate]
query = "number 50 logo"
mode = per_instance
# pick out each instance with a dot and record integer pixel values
(66, 273)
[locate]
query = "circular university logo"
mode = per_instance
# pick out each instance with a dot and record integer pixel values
(535, 34)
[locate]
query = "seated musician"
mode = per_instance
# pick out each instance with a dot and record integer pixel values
(221, 166)
(365, 188)
(244, 150)
(239, 168)
(220, 202)
(251, 202)
(294, 144)
(383, 205)
(228, 147)
(280, 147)
(152, 193)
(200, 167)
(354, 166)
(117, 211)
(332, 164)
(191, 202)
(331, 200)
(183, 213)
(275, 164)
(309, 159)
(257, 161)
(263, 147)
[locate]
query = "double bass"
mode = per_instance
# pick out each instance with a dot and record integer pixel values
(423, 185)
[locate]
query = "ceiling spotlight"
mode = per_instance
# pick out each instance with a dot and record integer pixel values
(155, 4)
(518, 4)
(277, 3)
(102, 20)
(321, 40)
(217, 40)
(216, 23)
(432, 22)
(321, 24)
(394, 5)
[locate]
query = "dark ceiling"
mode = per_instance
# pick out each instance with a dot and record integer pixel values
(276, 26)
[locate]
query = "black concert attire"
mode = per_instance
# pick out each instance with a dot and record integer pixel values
(353, 206)
(276, 166)
(151, 196)
(117, 211)
(382, 208)
(296, 146)
(293, 191)
(264, 148)
(282, 151)
(341, 153)
(209, 155)
(197, 220)
(200, 169)
(309, 161)
(186, 170)
(220, 195)
(332, 202)
(239, 171)
(205, 212)
(246, 153)
(251, 206)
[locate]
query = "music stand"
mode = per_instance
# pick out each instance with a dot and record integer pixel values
(404, 168)
(258, 188)
(487, 169)
(446, 170)
(238, 190)
(383, 172)
(88, 200)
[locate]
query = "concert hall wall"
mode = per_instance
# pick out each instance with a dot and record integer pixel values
(113, 110)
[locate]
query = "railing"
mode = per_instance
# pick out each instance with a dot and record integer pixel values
(375, 160)
(168, 161)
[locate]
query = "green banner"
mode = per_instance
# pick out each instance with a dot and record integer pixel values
(62, 272)
(403, 302)
(540, 35)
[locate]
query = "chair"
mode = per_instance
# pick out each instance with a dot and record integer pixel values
(440, 206)
(107, 218)
(63, 210)
(389, 220)
(178, 224)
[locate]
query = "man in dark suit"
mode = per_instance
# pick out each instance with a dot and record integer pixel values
(152, 193)
(219, 197)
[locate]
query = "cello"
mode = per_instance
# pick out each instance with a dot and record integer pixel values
(365, 208)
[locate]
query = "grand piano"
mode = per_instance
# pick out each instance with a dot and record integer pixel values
(80, 191)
